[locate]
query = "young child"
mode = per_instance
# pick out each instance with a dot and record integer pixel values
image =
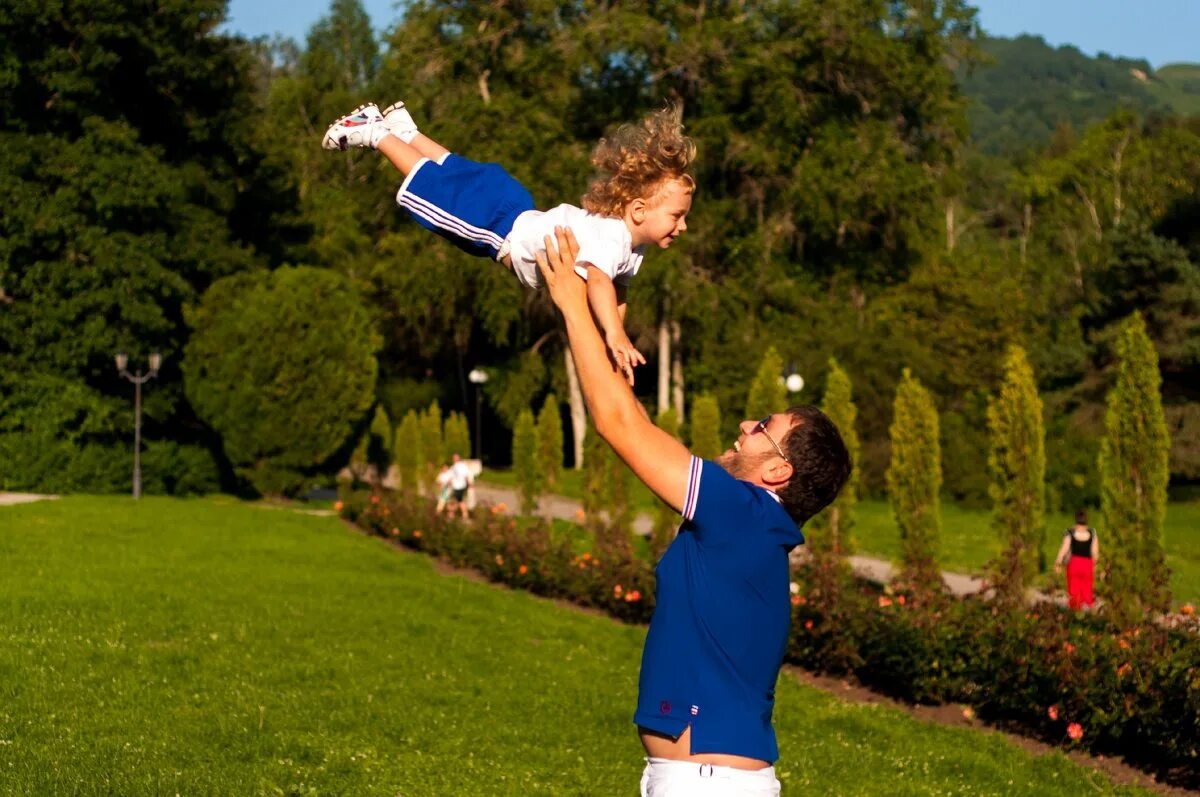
(641, 196)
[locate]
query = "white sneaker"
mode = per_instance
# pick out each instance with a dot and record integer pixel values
(362, 127)
(399, 122)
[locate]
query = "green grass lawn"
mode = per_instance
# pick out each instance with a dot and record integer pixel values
(967, 538)
(209, 647)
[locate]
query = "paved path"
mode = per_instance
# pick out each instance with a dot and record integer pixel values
(879, 571)
(7, 499)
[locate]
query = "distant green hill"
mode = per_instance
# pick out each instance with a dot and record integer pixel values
(1028, 88)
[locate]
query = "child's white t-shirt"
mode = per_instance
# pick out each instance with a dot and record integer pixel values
(604, 242)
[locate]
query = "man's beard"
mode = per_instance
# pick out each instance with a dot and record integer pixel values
(741, 466)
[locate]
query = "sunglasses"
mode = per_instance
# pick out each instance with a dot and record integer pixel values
(761, 426)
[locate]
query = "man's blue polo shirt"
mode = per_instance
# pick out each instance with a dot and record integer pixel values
(721, 618)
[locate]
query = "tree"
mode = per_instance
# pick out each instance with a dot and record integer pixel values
(1017, 462)
(530, 481)
(829, 534)
(282, 365)
(433, 445)
(550, 441)
(767, 392)
(666, 518)
(914, 479)
(706, 427)
(1133, 479)
(407, 453)
(457, 435)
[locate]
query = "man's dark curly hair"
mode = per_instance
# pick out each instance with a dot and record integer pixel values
(821, 464)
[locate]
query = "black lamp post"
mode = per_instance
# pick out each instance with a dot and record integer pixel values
(138, 378)
(478, 377)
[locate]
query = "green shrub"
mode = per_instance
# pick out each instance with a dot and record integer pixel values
(282, 365)
(767, 392)
(457, 435)
(914, 478)
(550, 441)
(525, 462)
(705, 427)
(666, 518)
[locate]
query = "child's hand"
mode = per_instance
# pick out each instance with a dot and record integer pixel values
(624, 354)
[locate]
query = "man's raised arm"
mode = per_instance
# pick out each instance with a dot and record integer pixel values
(657, 458)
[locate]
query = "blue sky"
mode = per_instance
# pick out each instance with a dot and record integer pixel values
(1161, 31)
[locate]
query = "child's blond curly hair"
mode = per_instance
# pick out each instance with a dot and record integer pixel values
(637, 160)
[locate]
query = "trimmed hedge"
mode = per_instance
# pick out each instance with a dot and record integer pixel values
(1066, 678)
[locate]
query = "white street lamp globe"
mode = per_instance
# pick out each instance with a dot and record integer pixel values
(794, 383)
(477, 376)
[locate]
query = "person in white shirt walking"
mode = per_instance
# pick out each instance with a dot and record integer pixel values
(461, 480)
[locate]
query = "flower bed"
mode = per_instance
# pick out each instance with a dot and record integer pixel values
(1066, 678)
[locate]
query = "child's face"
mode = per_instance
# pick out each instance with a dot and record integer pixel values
(663, 216)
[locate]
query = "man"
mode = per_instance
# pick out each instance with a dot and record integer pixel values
(720, 626)
(461, 480)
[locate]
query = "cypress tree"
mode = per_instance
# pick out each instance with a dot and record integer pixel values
(550, 441)
(432, 445)
(914, 479)
(833, 526)
(706, 427)
(1017, 462)
(456, 436)
(525, 462)
(666, 518)
(1133, 478)
(407, 451)
(767, 392)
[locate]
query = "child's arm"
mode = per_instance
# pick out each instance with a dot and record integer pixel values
(602, 297)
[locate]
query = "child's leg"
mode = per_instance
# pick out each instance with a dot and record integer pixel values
(406, 156)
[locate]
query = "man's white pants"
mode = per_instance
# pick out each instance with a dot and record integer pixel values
(663, 777)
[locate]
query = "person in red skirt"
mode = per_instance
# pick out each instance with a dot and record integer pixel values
(1079, 552)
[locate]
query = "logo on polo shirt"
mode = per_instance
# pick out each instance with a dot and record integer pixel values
(664, 707)
(695, 710)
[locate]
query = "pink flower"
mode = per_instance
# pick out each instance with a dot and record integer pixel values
(338, 506)
(1124, 670)
(617, 590)
(417, 533)
(1075, 731)
(374, 499)
(884, 601)
(1052, 712)
(633, 596)
(522, 569)
(900, 599)
(808, 625)
(968, 713)
(1069, 648)
(499, 560)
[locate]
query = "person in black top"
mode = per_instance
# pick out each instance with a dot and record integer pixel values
(1079, 552)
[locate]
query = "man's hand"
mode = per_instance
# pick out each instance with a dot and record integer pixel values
(557, 264)
(624, 354)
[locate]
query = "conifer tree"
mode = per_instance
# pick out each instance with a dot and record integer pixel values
(456, 436)
(550, 441)
(407, 451)
(1017, 462)
(432, 443)
(914, 479)
(666, 518)
(1133, 479)
(525, 462)
(831, 530)
(706, 427)
(767, 392)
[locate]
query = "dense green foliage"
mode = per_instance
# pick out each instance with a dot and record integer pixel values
(1017, 462)
(1133, 479)
(831, 532)
(1025, 90)
(841, 211)
(666, 518)
(282, 364)
(456, 435)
